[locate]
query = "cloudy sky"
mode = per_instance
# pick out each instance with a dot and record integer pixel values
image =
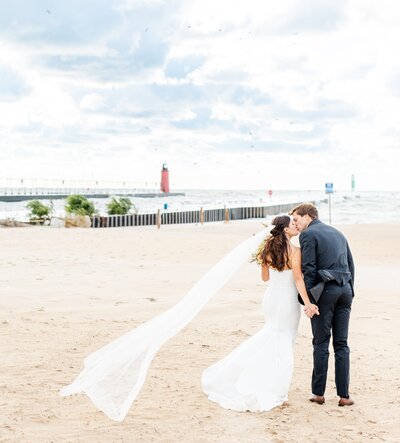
(246, 94)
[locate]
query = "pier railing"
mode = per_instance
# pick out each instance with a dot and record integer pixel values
(24, 194)
(196, 216)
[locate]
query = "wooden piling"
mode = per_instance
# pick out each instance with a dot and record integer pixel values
(226, 214)
(158, 219)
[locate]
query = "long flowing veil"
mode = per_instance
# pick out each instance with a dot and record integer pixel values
(113, 375)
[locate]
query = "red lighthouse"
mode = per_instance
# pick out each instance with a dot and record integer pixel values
(165, 178)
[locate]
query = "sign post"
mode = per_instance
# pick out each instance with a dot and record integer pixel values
(329, 191)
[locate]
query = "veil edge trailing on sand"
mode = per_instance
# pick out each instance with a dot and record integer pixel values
(113, 375)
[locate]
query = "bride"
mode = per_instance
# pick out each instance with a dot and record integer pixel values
(256, 375)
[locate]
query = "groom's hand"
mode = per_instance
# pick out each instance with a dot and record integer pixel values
(310, 310)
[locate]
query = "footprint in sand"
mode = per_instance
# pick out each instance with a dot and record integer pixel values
(334, 413)
(348, 428)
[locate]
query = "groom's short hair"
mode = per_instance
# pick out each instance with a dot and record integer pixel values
(305, 209)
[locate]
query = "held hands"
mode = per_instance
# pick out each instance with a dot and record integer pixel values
(310, 310)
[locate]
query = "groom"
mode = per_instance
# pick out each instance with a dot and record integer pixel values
(328, 271)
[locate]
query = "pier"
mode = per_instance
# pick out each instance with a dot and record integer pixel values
(20, 193)
(62, 194)
(24, 189)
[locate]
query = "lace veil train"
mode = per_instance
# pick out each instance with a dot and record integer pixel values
(113, 375)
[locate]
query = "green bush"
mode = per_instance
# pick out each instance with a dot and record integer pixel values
(79, 205)
(39, 211)
(120, 206)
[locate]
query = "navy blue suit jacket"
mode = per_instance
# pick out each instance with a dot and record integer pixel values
(325, 251)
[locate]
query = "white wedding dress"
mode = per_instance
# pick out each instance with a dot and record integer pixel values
(256, 375)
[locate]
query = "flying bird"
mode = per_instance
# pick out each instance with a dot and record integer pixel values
(48, 11)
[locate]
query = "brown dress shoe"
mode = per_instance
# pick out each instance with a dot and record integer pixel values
(320, 399)
(346, 401)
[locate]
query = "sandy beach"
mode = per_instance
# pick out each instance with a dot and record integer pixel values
(66, 292)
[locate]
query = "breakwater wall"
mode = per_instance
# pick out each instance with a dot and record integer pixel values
(61, 194)
(197, 216)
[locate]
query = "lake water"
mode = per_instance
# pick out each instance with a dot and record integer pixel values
(355, 207)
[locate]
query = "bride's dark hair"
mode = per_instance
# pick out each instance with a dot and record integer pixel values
(276, 250)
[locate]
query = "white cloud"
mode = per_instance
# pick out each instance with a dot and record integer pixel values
(92, 102)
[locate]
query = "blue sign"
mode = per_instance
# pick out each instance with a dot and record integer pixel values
(328, 188)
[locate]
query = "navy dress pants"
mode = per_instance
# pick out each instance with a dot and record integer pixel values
(334, 307)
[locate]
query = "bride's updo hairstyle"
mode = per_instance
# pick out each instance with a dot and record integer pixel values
(276, 250)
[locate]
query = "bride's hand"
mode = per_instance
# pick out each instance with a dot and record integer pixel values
(310, 310)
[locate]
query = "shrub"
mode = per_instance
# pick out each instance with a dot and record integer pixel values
(39, 211)
(120, 206)
(79, 205)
